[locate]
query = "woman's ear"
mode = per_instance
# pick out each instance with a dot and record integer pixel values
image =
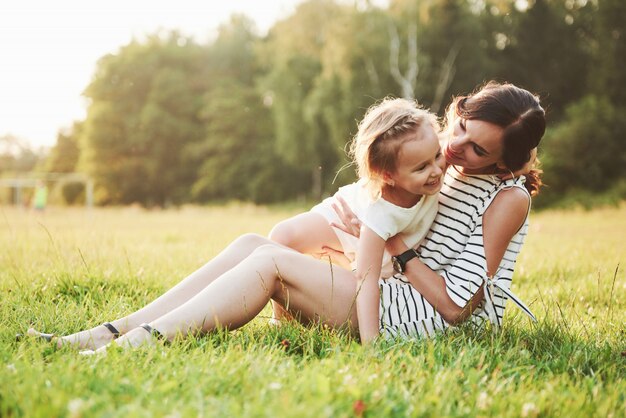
(501, 166)
(505, 172)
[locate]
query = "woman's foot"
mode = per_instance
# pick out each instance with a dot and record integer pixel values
(92, 339)
(143, 335)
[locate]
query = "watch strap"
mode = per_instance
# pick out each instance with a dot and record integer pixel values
(405, 257)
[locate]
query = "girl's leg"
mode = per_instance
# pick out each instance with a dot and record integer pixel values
(313, 290)
(176, 296)
(307, 233)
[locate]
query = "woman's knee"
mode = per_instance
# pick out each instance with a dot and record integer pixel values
(269, 250)
(272, 255)
(251, 240)
(266, 260)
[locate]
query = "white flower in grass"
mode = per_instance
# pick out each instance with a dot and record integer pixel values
(482, 402)
(74, 407)
(529, 409)
(11, 368)
(275, 386)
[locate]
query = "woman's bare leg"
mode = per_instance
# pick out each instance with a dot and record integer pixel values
(307, 233)
(312, 289)
(176, 296)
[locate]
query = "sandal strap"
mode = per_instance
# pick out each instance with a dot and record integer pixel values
(113, 330)
(154, 332)
(44, 337)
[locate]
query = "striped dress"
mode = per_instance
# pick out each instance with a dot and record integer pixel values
(454, 249)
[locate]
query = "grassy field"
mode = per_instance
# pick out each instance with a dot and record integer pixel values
(70, 268)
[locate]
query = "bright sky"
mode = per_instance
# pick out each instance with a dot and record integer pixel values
(49, 49)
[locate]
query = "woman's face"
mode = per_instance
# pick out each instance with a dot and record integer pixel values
(474, 145)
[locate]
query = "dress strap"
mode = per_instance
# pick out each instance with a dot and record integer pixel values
(490, 308)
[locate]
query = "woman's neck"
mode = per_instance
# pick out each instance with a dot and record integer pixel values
(492, 169)
(400, 197)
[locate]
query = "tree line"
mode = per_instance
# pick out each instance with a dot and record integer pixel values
(267, 118)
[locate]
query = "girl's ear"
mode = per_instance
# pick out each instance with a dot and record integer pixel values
(388, 178)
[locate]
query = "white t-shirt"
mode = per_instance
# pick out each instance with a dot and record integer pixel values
(382, 217)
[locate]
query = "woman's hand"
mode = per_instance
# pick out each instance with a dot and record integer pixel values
(336, 257)
(350, 223)
(524, 170)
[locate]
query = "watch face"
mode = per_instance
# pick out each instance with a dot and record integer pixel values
(397, 266)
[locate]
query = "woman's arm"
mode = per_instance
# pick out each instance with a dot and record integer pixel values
(428, 283)
(501, 221)
(369, 257)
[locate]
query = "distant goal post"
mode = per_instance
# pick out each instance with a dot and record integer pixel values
(18, 185)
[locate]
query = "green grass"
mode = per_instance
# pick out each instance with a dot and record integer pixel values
(71, 268)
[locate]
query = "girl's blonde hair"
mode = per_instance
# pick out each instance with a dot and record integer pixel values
(384, 128)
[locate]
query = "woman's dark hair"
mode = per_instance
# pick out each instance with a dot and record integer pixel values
(519, 113)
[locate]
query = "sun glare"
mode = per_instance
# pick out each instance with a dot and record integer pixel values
(49, 50)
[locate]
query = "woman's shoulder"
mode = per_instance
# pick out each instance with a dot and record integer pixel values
(512, 195)
(509, 209)
(514, 200)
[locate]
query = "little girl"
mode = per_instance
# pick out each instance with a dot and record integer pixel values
(400, 167)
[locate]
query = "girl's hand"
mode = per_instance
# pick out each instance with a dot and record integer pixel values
(336, 257)
(524, 170)
(350, 223)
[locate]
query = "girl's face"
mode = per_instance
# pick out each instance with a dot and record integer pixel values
(475, 146)
(420, 165)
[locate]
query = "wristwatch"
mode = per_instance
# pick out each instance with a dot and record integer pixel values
(399, 261)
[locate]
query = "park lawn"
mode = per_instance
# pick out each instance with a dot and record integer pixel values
(68, 268)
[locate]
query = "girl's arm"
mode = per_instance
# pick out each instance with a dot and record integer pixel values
(369, 258)
(501, 221)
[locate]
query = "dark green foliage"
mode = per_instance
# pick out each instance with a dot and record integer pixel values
(72, 191)
(238, 158)
(608, 76)
(586, 151)
(544, 52)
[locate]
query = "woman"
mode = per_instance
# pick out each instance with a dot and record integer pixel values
(473, 242)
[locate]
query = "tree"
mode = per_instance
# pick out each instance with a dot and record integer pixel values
(292, 55)
(64, 155)
(451, 43)
(353, 77)
(16, 155)
(544, 53)
(607, 75)
(144, 109)
(237, 154)
(586, 150)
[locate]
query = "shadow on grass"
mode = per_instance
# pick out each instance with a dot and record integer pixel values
(546, 348)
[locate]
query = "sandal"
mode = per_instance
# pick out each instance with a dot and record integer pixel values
(41, 336)
(113, 330)
(50, 337)
(155, 333)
